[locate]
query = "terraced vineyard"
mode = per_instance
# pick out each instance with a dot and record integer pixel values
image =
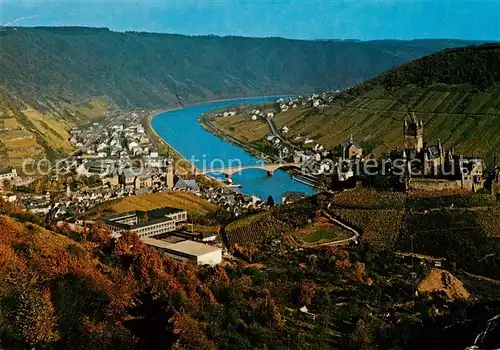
(378, 227)
(255, 229)
(455, 92)
(270, 224)
(181, 200)
(429, 200)
(369, 199)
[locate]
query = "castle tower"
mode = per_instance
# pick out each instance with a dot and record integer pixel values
(170, 176)
(413, 133)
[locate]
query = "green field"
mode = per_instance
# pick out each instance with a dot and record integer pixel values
(324, 236)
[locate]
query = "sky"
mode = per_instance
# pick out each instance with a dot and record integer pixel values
(301, 19)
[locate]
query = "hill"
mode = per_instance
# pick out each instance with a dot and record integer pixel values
(52, 65)
(54, 77)
(456, 92)
(27, 132)
(181, 200)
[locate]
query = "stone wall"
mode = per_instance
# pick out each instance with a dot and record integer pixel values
(436, 185)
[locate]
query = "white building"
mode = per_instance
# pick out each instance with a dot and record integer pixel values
(145, 224)
(9, 174)
(202, 254)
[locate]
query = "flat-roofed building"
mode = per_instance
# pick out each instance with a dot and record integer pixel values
(202, 254)
(145, 224)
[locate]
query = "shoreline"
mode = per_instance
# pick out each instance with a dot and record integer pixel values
(155, 113)
(207, 126)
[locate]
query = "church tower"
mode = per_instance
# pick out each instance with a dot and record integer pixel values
(413, 133)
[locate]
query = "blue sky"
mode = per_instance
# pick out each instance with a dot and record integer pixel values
(304, 19)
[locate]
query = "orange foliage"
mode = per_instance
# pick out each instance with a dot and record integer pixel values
(93, 270)
(219, 277)
(190, 332)
(307, 291)
(359, 271)
(33, 318)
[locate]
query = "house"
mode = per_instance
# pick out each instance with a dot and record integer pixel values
(270, 115)
(8, 174)
(182, 184)
(127, 178)
(285, 129)
(229, 114)
(133, 145)
(254, 117)
(351, 149)
(144, 180)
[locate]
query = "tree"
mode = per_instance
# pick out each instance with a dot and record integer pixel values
(307, 291)
(7, 185)
(323, 183)
(270, 201)
(32, 321)
(362, 336)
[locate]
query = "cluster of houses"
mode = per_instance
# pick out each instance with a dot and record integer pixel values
(314, 100)
(72, 203)
(256, 114)
(124, 141)
(234, 202)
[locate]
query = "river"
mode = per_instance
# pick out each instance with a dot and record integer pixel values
(180, 129)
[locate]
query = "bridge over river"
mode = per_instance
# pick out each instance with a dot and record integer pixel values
(270, 168)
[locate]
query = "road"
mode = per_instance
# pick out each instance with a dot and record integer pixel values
(277, 134)
(354, 238)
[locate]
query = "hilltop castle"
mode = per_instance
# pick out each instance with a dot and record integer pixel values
(413, 133)
(429, 167)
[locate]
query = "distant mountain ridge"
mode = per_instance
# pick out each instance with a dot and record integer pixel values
(46, 66)
(55, 77)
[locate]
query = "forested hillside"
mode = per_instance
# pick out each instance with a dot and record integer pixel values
(61, 289)
(455, 92)
(50, 66)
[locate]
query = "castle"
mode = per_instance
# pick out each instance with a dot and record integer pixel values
(413, 133)
(429, 167)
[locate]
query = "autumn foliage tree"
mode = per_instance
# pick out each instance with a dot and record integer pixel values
(307, 291)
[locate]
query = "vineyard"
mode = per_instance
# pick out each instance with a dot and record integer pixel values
(378, 227)
(271, 224)
(369, 199)
(490, 222)
(255, 229)
(423, 201)
(181, 200)
(462, 237)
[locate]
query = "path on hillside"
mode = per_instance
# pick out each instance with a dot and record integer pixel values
(405, 111)
(482, 278)
(343, 241)
(460, 209)
(277, 134)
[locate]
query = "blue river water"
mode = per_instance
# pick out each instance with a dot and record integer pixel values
(180, 129)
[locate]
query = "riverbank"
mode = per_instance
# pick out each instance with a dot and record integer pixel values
(248, 147)
(206, 122)
(210, 128)
(180, 128)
